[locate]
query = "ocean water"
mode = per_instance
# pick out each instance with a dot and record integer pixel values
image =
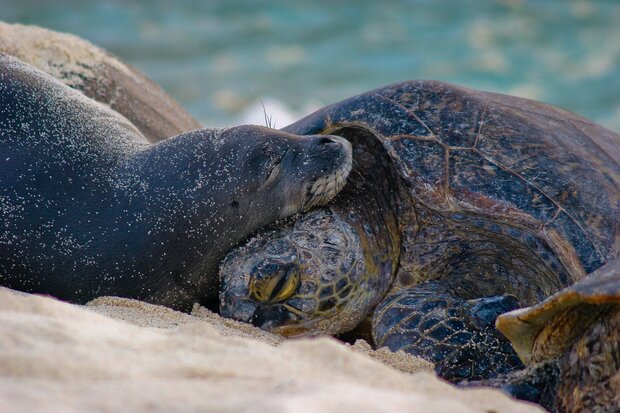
(219, 57)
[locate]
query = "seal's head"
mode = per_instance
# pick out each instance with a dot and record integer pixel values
(304, 171)
(207, 190)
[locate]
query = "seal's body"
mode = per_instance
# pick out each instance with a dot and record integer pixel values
(89, 207)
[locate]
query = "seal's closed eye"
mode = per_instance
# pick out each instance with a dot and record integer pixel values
(267, 162)
(274, 167)
(273, 173)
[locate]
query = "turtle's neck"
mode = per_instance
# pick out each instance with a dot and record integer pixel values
(369, 204)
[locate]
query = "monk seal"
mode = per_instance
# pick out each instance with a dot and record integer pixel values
(89, 207)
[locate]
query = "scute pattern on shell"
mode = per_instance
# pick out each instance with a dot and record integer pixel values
(509, 158)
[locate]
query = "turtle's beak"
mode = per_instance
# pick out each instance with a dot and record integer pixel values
(290, 331)
(296, 328)
(271, 317)
(238, 309)
(268, 317)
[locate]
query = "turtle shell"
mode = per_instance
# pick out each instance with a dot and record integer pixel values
(513, 160)
(545, 330)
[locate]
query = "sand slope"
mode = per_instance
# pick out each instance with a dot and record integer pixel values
(123, 355)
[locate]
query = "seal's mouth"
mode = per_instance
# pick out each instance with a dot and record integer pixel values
(324, 188)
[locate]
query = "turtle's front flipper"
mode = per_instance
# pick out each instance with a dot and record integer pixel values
(456, 334)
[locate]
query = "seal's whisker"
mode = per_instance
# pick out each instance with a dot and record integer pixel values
(268, 119)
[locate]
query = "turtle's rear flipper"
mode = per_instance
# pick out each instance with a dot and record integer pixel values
(456, 334)
(537, 384)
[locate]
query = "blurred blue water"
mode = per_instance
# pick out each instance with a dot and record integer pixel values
(216, 57)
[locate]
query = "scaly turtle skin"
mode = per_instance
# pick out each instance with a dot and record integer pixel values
(571, 345)
(500, 202)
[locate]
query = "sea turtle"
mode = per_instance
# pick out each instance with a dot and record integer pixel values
(571, 344)
(461, 205)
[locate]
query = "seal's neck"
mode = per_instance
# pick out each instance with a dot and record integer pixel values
(172, 210)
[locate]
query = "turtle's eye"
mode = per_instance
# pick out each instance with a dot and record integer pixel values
(273, 283)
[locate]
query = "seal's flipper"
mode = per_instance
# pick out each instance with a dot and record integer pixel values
(458, 335)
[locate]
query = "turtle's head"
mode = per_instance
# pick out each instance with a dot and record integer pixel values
(306, 278)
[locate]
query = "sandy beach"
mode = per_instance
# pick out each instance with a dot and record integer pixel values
(123, 355)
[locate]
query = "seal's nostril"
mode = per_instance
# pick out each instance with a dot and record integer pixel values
(325, 140)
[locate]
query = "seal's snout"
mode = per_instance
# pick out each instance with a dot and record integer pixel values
(340, 146)
(333, 157)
